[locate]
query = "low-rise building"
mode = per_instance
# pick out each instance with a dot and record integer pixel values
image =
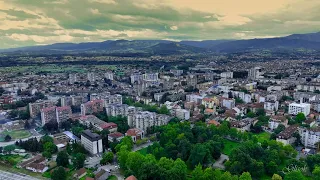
(286, 136)
(135, 134)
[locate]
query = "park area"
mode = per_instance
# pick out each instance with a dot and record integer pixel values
(18, 134)
(229, 146)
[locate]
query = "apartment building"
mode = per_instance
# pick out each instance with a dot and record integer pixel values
(295, 108)
(112, 99)
(92, 142)
(72, 78)
(227, 75)
(144, 119)
(120, 109)
(310, 137)
(182, 114)
(91, 77)
(97, 124)
(35, 108)
(228, 103)
(109, 75)
(271, 105)
(194, 98)
(91, 107)
(63, 113)
(72, 100)
(48, 115)
(55, 114)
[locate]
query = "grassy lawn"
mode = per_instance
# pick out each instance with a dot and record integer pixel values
(263, 136)
(19, 134)
(143, 151)
(113, 177)
(229, 146)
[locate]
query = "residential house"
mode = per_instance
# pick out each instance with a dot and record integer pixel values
(286, 136)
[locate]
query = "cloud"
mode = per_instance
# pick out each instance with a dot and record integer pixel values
(46, 21)
(94, 11)
(174, 28)
(103, 1)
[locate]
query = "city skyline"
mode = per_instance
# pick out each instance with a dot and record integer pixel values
(28, 23)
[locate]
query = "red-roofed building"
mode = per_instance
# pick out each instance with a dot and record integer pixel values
(132, 177)
(111, 127)
(48, 115)
(135, 134)
(115, 136)
(63, 113)
(213, 122)
(91, 107)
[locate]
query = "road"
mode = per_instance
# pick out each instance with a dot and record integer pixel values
(137, 148)
(14, 176)
(219, 163)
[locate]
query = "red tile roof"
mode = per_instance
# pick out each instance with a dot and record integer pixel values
(131, 178)
(133, 132)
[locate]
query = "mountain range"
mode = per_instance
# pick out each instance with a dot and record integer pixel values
(309, 41)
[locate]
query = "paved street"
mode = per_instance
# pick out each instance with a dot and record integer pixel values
(219, 163)
(135, 148)
(11, 176)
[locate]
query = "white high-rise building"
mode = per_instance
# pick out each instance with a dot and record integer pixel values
(109, 75)
(92, 142)
(227, 75)
(255, 73)
(310, 137)
(183, 114)
(91, 77)
(295, 108)
(72, 78)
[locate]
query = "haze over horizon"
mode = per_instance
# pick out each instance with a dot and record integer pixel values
(27, 23)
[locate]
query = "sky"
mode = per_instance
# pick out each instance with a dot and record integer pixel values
(39, 22)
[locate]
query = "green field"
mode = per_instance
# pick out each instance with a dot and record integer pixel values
(263, 136)
(19, 134)
(143, 151)
(229, 146)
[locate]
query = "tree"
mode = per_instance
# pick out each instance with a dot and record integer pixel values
(179, 170)
(125, 141)
(280, 128)
(78, 160)
(300, 117)
(251, 114)
(134, 161)
(276, 177)
(107, 158)
(261, 112)
(245, 176)
(163, 110)
(27, 125)
(197, 173)
(9, 148)
(7, 138)
(62, 159)
(316, 172)
(271, 168)
(59, 174)
(294, 175)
